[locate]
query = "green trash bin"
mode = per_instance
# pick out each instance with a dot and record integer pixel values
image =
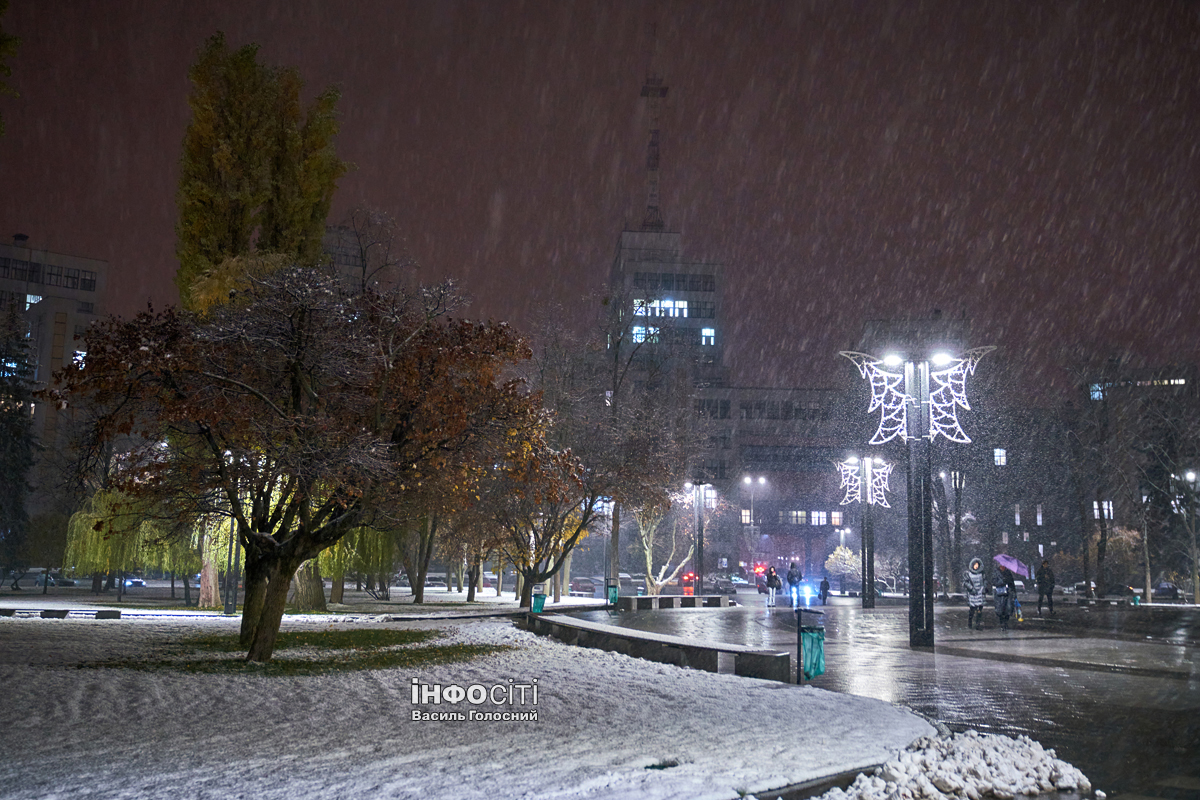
(812, 648)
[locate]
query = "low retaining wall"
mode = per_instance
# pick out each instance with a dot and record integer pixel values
(708, 656)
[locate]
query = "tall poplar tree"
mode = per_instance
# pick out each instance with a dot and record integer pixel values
(257, 174)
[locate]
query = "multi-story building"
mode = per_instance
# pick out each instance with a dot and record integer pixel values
(60, 296)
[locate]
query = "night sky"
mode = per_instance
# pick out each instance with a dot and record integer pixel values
(1033, 166)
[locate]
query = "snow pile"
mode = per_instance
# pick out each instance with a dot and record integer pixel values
(968, 766)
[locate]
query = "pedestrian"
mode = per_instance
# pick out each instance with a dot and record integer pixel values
(1005, 593)
(1045, 584)
(773, 585)
(793, 578)
(824, 590)
(975, 594)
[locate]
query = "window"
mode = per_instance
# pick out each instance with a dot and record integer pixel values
(641, 334)
(1105, 506)
(1001, 456)
(818, 518)
(1039, 513)
(1027, 536)
(1004, 537)
(1017, 515)
(835, 518)
(708, 336)
(87, 308)
(782, 516)
(78, 358)
(87, 280)
(31, 299)
(714, 409)
(800, 517)
(746, 517)
(710, 497)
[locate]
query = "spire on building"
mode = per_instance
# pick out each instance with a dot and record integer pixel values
(654, 92)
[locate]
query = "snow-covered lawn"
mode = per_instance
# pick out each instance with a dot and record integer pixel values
(606, 725)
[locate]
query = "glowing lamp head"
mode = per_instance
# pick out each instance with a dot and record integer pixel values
(1191, 476)
(941, 358)
(893, 359)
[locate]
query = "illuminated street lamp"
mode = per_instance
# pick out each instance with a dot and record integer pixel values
(930, 387)
(873, 474)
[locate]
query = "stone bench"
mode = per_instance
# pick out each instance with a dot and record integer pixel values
(707, 656)
(657, 601)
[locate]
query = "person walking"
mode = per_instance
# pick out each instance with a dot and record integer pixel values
(773, 585)
(824, 590)
(793, 578)
(1005, 593)
(974, 586)
(1045, 584)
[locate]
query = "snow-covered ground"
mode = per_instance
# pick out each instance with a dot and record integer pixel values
(606, 725)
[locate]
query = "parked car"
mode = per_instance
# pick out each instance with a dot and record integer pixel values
(60, 580)
(1167, 591)
(134, 580)
(585, 586)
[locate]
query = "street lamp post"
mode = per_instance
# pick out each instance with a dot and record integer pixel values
(697, 501)
(866, 482)
(901, 386)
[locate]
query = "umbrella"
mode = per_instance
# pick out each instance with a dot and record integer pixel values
(1017, 567)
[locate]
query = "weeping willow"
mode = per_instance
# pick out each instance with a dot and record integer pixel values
(112, 533)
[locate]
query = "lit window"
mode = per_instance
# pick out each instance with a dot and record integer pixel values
(1096, 391)
(78, 358)
(1001, 456)
(1017, 515)
(1102, 506)
(746, 516)
(710, 497)
(708, 336)
(782, 516)
(1039, 513)
(30, 299)
(835, 518)
(801, 517)
(796, 517)
(1004, 537)
(818, 518)
(1027, 536)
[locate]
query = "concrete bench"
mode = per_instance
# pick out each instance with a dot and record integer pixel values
(657, 601)
(60, 613)
(707, 656)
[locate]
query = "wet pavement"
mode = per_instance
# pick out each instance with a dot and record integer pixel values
(1116, 691)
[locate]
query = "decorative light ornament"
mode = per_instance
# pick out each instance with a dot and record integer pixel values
(876, 487)
(947, 393)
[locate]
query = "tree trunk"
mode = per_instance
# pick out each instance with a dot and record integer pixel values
(210, 584)
(267, 629)
(1101, 549)
(187, 591)
(310, 589)
(337, 594)
(525, 589)
(472, 578)
(614, 546)
(172, 585)
(256, 595)
(499, 576)
(97, 582)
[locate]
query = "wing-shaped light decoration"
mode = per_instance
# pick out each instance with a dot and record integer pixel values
(851, 482)
(948, 392)
(887, 393)
(879, 484)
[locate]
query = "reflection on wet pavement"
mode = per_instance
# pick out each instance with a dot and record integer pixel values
(1128, 732)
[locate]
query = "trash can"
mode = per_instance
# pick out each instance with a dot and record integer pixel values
(812, 650)
(539, 603)
(1136, 600)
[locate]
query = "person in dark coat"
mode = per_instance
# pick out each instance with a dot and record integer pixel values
(793, 578)
(974, 587)
(1005, 593)
(773, 585)
(1045, 584)
(824, 590)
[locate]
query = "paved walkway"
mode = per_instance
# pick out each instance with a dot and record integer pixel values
(1115, 693)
